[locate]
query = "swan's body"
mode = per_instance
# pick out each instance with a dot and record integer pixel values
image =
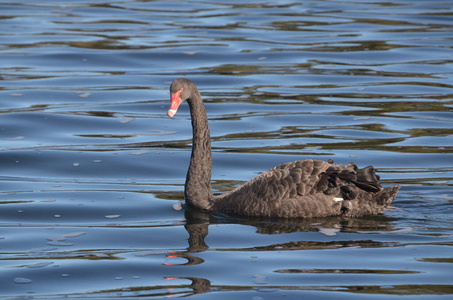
(304, 188)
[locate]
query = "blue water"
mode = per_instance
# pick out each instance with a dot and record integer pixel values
(92, 169)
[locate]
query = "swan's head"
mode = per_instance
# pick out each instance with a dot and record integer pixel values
(180, 90)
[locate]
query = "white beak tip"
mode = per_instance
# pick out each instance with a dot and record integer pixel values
(171, 112)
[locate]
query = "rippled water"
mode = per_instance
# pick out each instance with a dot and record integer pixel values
(92, 169)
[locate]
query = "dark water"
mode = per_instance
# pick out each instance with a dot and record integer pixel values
(92, 169)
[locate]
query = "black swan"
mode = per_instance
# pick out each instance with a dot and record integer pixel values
(299, 189)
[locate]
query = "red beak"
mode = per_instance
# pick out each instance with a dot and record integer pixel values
(175, 102)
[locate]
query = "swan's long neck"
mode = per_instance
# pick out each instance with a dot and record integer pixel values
(197, 190)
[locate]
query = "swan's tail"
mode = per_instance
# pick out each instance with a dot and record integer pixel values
(360, 190)
(369, 203)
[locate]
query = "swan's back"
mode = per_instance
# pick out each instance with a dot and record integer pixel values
(308, 188)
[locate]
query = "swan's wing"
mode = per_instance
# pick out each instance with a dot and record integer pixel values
(290, 180)
(308, 188)
(281, 191)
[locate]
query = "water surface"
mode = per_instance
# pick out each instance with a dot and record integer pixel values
(92, 169)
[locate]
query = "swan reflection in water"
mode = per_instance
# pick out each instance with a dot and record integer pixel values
(197, 226)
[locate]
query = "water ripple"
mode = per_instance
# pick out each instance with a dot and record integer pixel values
(93, 170)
